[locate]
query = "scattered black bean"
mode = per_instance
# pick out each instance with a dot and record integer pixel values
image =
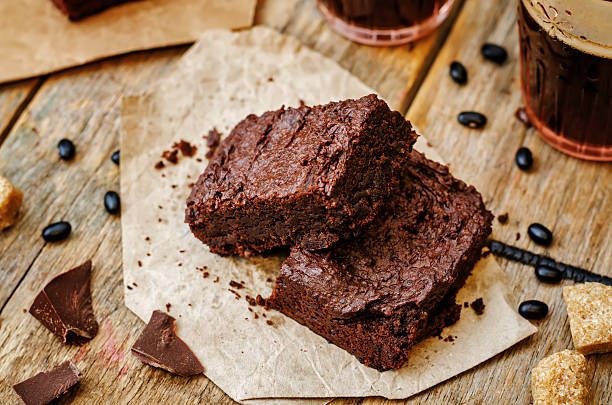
(458, 73)
(66, 149)
(540, 234)
(115, 157)
(532, 309)
(494, 53)
(548, 274)
(472, 119)
(56, 231)
(523, 158)
(112, 202)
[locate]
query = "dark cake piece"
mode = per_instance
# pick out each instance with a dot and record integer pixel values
(378, 294)
(307, 177)
(77, 9)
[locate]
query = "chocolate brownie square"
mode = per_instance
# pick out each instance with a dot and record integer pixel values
(306, 177)
(378, 294)
(77, 9)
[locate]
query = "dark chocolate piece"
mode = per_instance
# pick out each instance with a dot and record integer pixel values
(159, 346)
(64, 306)
(49, 385)
(307, 176)
(380, 293)
(77, 9)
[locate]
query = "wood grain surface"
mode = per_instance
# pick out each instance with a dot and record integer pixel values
(572, 197)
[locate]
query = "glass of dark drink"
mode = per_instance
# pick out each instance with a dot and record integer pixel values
(384, 22)
(566, 73)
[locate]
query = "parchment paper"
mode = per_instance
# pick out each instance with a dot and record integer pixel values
(36, 38)
(224, 77)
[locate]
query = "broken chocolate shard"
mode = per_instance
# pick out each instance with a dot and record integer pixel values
(159, 346)
(49, 385)
(64, 306)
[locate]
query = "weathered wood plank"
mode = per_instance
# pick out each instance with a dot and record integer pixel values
(13, 98)
(570, 196)
(82, 104)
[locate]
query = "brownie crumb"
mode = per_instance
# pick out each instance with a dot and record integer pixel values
(163, 174)
(129, 287)
(199, 160)
(237, 296)
(269, 322)
(302, 103)
(147, 239)
(255, 316)
(206, 274)
(180, 264)
(521, 115)
(160, 207)
(270, 79)
(269, 280)
(182, 251)
(260, 300)
(478, 306)
(518, 236)
(186, 148)
(216, 280)
(174, 185)
(170, 155)
(190, 185)
(148, 254)
(212, 141)
(503, 218)
(252, 301)
(264, 315)
(168, 305)
(250, 309)
(134, 284)
(159, 165)
(235, 284)
(139, 263)
(466, 304)
(449, 338)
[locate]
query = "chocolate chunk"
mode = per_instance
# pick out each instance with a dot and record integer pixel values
(158, 346)
(503, 218)
(236, 284)
(49, 385)
(159, 165)
(478, 306)
(64, 306)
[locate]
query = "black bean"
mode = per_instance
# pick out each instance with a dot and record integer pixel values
(112, 202)
(540, 234)
(458, 73)
(548, 274)
(56, 231)
(532, 309)
(523, 158)
(494, 53)
(472, 119)
(66, 149)
(115, 157)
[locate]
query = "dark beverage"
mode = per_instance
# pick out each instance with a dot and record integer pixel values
(384, 22)
(567, 89)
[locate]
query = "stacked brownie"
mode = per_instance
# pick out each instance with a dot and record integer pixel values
(381, 238)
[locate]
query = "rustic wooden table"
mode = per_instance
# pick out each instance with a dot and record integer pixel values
(572, 197)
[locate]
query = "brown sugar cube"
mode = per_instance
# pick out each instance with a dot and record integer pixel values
(10, 202)
(560, 379)
(589, 309)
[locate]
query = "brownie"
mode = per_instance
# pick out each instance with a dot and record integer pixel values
(77, 9)
(380, 293)
(306, 177)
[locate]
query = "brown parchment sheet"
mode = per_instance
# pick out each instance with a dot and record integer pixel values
(36, 38)
(223, 78)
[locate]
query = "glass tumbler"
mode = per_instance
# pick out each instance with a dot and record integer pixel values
(384, 22)
(566, 73)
